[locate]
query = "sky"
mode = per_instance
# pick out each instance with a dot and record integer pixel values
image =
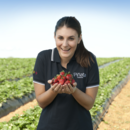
(27, 26)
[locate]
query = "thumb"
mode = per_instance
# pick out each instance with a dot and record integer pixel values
(74, 84)
(49, 81)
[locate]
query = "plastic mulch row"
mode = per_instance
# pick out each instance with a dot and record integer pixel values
(115, 92)
(16, 79)
(102, 66)
(12, 104)
(106, 64)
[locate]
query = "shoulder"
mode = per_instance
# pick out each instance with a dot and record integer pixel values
(45, 53)
(93, 56)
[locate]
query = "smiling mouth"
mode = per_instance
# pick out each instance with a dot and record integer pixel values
(65, 50)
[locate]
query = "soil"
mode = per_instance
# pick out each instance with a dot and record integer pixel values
(117, 117)
(19, 110)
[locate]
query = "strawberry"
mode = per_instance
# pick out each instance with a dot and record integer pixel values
(62, 72)
(61, 81)
(69, 76)
(73, 81)
(54, 80)
(64, 77)
(67, 82)
(58, 76)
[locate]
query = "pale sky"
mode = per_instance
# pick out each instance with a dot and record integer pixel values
(27, 26)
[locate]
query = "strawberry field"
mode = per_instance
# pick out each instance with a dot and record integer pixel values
(16, 82)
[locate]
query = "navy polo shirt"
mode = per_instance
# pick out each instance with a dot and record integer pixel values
(64, 112)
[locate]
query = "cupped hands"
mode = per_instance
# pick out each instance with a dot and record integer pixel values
(65, 88)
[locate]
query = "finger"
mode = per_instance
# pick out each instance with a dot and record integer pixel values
(63, 89)
(60, 89)
(68, 89)
(54, 86)
(49, 81)
(74, 84)
(57, 88)
(70, 86)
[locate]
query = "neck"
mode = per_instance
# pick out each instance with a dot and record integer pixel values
(64, 61)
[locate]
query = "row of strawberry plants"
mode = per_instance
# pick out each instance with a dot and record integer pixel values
(15, 63)
(16, 68)
(13, 74)
(15, 89)
(30, 118)
(12, 90)
(109, 77)
(102, 61)
(20, 68)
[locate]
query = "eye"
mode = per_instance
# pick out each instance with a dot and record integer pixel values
(69, 38)
(60, 37)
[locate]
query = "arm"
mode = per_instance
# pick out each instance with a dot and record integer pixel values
(44, 98)
(86, 99)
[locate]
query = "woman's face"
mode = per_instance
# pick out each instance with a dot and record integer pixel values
(66, 42)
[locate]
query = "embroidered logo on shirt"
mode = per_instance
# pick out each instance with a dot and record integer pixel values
(79, 75)
(35, 72)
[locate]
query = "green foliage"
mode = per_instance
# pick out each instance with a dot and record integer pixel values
(102, 61)
(27, 121)
(13, 89)
(110, 76)
(11, 68)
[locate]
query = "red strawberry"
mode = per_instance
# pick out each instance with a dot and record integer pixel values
(61, 81)
(73, 81)
(54, 80)
(64, 77)
(62, 72)
(58, 76)
(69, 76)
(67, 81)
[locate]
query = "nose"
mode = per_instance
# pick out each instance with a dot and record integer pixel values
(65, 43)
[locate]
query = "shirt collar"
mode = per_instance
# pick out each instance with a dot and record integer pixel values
(56, 57)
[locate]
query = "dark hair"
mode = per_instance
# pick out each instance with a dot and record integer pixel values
(82, 55)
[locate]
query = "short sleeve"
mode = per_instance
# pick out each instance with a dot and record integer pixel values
(39, 70)
(93, 73)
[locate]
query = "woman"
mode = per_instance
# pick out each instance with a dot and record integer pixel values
(65, 107)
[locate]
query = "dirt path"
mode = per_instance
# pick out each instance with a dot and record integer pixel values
(117, 118)
(19, 110)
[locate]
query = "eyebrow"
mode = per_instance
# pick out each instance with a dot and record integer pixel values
(69, 36)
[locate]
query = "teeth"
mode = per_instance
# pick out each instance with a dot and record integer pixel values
(65, 50)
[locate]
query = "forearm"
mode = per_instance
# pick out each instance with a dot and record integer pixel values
(83, 99)
(46, 98)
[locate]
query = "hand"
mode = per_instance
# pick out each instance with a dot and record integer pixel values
(69, 89)
(57, 88)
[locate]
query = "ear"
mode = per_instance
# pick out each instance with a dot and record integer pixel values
(80, 38)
